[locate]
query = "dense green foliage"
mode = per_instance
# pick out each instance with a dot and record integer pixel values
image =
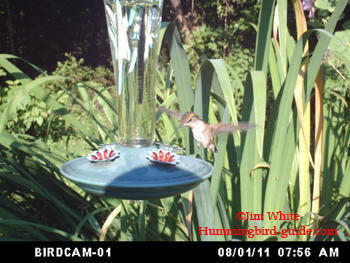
(34, 117)
(45, 122)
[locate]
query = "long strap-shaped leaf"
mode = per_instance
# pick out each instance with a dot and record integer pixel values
(209, 69)
(181, 68)
(42, 227)
(264, 33)
(321, 48)
(254, 105)
(281, 155)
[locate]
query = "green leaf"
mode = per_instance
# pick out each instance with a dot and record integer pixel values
(204, 209)
(264, 34)
(182, 75)
(342, 45)
(39, 120)
(43, 227)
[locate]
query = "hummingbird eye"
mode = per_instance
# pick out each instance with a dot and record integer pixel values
(189, 120)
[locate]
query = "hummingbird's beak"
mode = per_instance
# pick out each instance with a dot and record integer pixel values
(176, 131)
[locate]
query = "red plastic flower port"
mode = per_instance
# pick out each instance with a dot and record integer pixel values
(103, 155)
(162, 156)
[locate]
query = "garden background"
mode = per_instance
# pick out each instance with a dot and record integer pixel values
(283, 65)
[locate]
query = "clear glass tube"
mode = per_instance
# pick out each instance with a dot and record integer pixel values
(133, 30)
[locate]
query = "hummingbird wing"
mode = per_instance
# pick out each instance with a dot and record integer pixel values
(226, 127)
(171, 113)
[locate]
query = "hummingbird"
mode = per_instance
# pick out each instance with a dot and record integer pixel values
(204, 133)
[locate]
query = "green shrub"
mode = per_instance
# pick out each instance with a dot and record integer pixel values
(34, 117)
(270, 169)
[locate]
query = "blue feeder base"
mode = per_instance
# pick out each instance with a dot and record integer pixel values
(132, 176)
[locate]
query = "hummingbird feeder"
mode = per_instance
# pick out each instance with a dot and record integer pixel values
(135, 168)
